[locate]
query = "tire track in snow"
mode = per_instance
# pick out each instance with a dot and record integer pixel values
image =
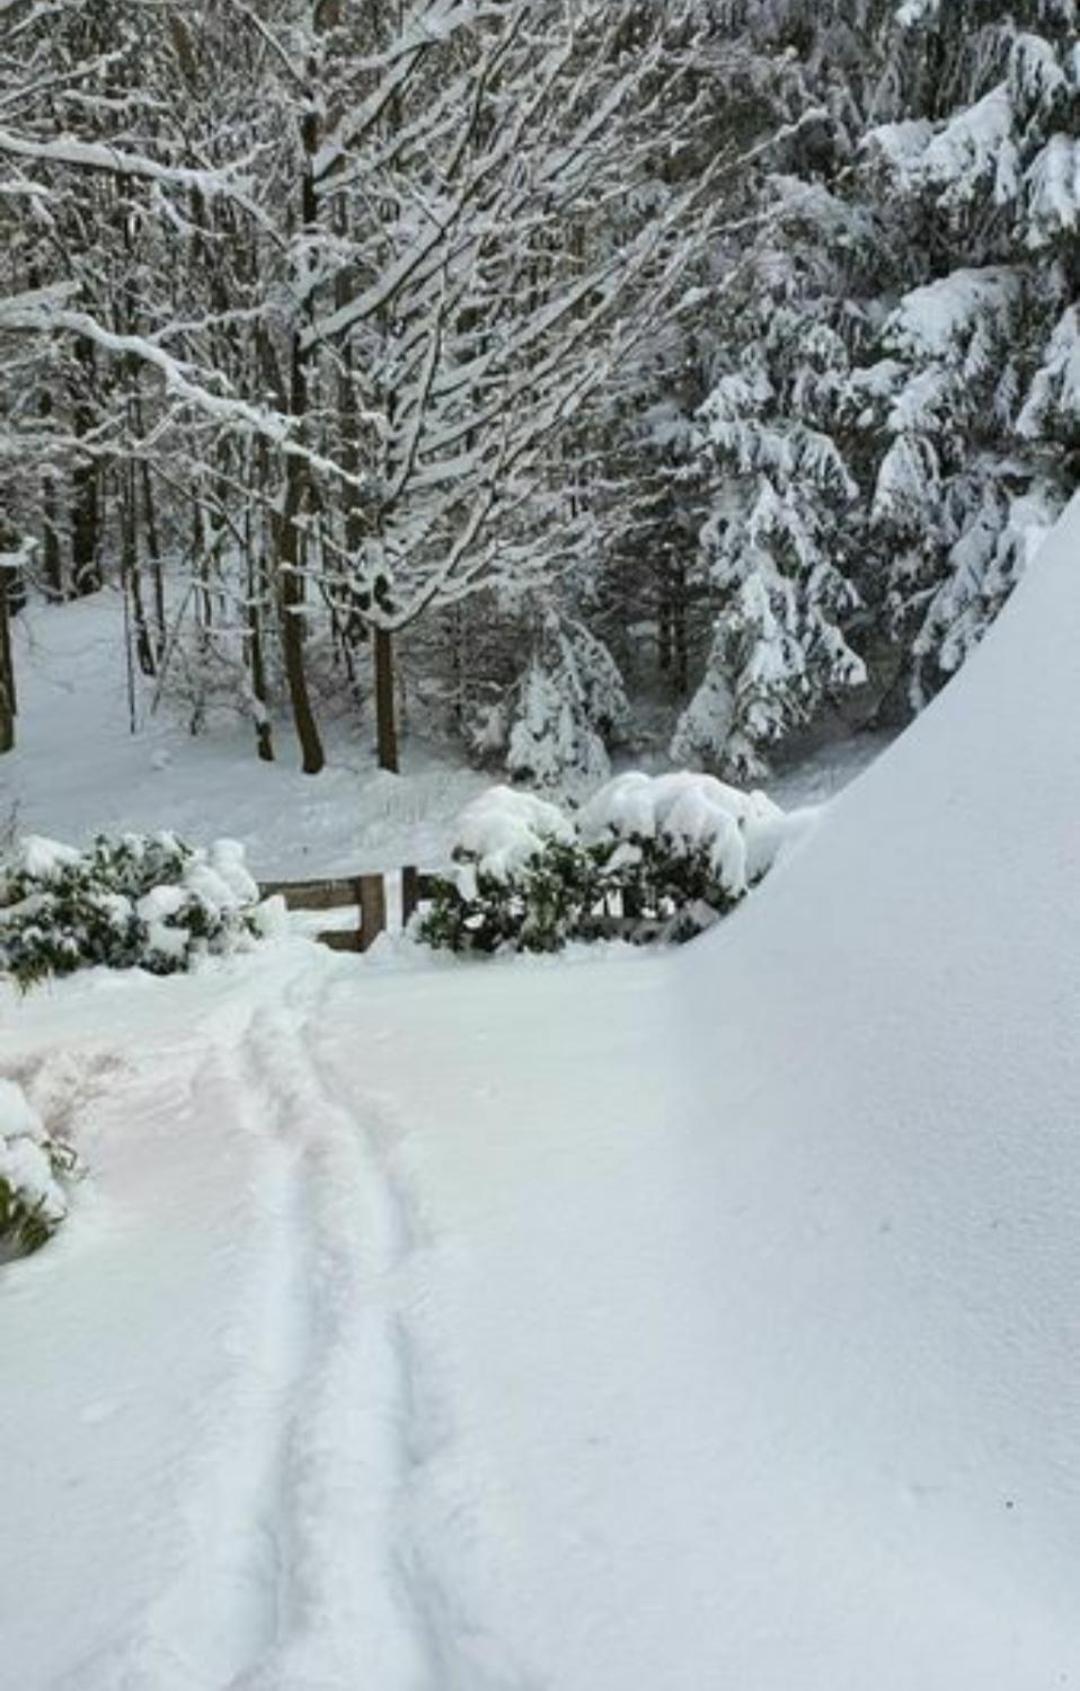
(314, 1552)
(460, 1653)
(216, 1608)
(328, 1502)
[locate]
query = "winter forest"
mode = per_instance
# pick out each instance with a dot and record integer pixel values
(538, 378)
(539, 845)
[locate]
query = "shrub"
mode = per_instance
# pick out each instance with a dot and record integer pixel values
(33, 1169)
(150, 902)
(537, 905)
(648, 857)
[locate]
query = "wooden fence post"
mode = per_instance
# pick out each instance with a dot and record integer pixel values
(372, 909)
(410, 893)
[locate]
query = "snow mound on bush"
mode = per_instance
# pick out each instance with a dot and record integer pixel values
(18, 1117)
(146, 901)
(504, 828)
(741, 832)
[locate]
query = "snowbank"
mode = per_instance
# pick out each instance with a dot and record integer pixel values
(885, 1128)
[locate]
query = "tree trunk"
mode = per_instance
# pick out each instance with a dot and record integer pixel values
(53, 570)
(385, 710)
(7, 670)
(86, 502)
(85, 530)
(292, 586)
(264, 736)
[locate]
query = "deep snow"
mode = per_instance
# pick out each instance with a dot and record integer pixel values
(661, 1323)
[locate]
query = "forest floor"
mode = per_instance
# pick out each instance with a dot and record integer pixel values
(628, 1322)
(78, 769)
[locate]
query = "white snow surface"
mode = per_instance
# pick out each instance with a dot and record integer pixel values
(657, 1324)
(78, 770)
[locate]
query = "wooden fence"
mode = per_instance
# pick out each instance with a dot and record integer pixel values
(367, 893)
(619, 919)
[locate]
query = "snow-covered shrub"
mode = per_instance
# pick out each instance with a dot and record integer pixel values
(649, 856)
(139, 901)
(680, 849)
(33, 1167)
(523, 881)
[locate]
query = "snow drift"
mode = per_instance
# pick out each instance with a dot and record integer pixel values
(887, 1053)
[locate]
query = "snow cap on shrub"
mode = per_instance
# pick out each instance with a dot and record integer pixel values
(18, 1117)
(146, 901)
(40, 858)
(736, 829)
(504, 828)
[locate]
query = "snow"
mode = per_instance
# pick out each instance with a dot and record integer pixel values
(18, 1118)
(26, 1170)
(939, 319)
(686, 1321)
(43, 858)
(78, 770)
(743, 832)
(505, 827)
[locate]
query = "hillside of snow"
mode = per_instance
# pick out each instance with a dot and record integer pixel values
(706, 1320)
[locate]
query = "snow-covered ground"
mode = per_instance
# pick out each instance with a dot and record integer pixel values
(705, 1320)
(78, 770)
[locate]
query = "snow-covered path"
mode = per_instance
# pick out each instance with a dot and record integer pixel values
(402, 1339)
(302, 1398)
(232, 1308)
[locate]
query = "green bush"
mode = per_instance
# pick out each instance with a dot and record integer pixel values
(648, 858)
(147, 902)
(31, 1203)
(537, 906)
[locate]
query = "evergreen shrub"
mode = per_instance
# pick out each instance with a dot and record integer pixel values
(647, 859)
(138, 901)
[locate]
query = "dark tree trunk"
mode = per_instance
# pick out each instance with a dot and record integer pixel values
(264, 736)
(86, 491)
(386, 734)
(292, 585)
(52, 557)
(7, 670)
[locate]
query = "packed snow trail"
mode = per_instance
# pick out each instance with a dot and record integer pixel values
(243, 1417)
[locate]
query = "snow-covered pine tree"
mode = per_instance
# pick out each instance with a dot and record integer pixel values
(566, 708)
(781, 544)
(976, 389)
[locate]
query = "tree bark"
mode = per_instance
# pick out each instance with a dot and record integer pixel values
(86, 501)
(7, 671)
(386, 734)
(292, 588)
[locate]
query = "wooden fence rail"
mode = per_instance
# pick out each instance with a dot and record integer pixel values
(367, 893)
(364, 892)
